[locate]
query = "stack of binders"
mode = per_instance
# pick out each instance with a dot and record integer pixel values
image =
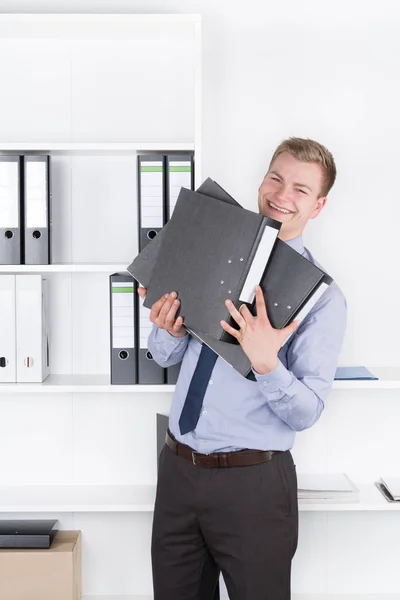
(24, 332)
(25, 201)
(213, 249)
(160, 179)
(326, 488)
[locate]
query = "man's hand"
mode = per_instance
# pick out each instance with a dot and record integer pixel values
(163, 313)
(259, 340)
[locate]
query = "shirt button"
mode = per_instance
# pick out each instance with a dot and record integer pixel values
(211, 382)
(204, 412)
(202, 441)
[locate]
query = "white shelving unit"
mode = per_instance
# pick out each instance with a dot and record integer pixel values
(111, 87)
(389, 379)
(140, 498)
(72, 147)
(64, 268)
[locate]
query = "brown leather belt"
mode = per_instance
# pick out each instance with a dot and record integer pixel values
(241, 458)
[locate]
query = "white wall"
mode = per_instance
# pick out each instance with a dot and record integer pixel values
(326, 70)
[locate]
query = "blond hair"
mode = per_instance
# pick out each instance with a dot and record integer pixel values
(309, 151)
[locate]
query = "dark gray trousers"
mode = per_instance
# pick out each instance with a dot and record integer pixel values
(245, 519)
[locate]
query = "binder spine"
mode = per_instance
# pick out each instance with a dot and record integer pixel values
(179, 173)
(36, 209)
(151, 196)
(123, 346)
(11, 221)
(225, 336)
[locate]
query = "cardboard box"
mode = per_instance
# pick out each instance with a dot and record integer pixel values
(45, 574)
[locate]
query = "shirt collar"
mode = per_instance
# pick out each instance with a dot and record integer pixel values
(297, 244)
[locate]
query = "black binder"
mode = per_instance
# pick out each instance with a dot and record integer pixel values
(29, 533)
(151, 196)
(213, 251)
(315, 284)
(123, 341)
(11, 251)
(37, 210)
(149, 372)
(179, 172)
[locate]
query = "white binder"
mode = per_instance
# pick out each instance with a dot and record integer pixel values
(8, 369)
(33, 344)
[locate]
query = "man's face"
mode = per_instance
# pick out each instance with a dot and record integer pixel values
(290, 193)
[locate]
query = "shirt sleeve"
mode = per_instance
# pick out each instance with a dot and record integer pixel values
(166, 349)
(296, 394)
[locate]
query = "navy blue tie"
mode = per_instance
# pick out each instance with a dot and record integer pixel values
(194, 399)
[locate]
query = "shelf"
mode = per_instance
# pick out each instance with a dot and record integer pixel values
(66, 268)
(294, 597)
(378, 596)
(81, 383)
(140, 498)
(77, 498)
(95, 147)
(112, 597)
(389, 379)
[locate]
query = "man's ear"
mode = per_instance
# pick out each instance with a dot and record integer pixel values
(319, 206)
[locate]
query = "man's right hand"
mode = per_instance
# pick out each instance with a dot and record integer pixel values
(163, 313)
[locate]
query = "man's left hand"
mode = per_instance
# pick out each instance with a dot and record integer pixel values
(259, 340)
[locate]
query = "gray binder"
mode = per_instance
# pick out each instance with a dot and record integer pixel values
(148, 370)
(123, 298)
(203, 232)
(151, 197)
(179, 173)
(37, 204)
(317, 280)
(10, 210)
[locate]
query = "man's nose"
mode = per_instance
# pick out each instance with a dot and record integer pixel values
(284, 194)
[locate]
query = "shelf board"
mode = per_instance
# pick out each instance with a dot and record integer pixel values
(389, 379)
(294, 597)
(77, 498)
(94, 147)
(66, 268)
(378, 596)
(116, 597)
(140, 498)
(78, 384)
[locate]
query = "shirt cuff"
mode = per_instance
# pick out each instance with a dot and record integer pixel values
(277, 379)
(169, 340)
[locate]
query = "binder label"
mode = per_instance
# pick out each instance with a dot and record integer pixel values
(36, 194)
(9, 197)
(123, 324)
(151, 182)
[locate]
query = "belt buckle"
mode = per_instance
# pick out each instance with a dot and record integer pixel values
(193, 458)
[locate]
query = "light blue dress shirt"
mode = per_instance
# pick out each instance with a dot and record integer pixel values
(264, 414)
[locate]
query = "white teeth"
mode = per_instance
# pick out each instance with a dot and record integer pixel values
(286, 212)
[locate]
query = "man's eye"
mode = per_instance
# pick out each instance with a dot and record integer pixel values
(275, 179)
(302, 191)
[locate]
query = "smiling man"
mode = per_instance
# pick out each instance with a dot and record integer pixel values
(227, 486)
